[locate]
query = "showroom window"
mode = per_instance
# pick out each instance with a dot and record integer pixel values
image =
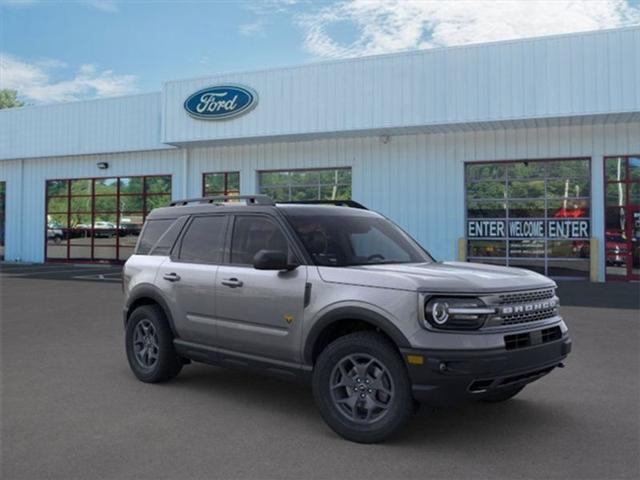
(532, 214)
(220, 183)
(622, 217)
(3, 187)
(296, 185)
(100, 219)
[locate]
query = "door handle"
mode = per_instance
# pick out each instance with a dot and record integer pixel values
(232, 282)
(171, 277)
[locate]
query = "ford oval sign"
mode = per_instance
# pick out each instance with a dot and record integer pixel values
(221, 102)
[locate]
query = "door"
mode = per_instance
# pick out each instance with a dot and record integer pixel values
(622, 217)
(188, 278)
(259, 312)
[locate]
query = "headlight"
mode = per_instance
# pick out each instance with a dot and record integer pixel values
(456, 313)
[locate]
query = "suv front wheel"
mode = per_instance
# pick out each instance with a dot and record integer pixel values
(362, 389)
(149, 345)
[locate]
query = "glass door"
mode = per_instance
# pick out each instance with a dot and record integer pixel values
(622, 218)
(634, 244)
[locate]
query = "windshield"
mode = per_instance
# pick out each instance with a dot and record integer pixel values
(348, 240)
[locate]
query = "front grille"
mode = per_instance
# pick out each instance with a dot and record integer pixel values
(551, 334)
(522, 340)
(519, 340)
(526, 297)
(519, 301)
(528, 317)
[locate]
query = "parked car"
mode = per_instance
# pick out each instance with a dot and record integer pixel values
(54, 233)
(338, 296)
(104, 229)
(129, 227)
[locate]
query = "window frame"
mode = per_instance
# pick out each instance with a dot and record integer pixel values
(507, 259)
(92, 213)
(292, 241)
(319, 185)
(225, 191)
(176, 250)
(627, 207)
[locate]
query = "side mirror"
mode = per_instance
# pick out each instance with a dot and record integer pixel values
(272, 260)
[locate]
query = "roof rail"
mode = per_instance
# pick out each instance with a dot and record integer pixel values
(338, 203)
(249, 199)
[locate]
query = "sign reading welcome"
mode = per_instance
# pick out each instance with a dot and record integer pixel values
(221, 102)
(570, 229)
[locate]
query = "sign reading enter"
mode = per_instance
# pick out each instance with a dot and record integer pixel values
(569, 229)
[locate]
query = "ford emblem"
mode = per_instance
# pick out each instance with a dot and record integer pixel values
(221, 102)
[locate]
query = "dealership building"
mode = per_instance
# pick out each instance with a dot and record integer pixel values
(522, 153)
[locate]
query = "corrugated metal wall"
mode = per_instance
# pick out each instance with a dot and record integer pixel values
(25, 215)
(561, 76)
(417, 180)
(75, 128)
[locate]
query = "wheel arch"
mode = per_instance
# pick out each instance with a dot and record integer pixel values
(325, 329)
(148, 295)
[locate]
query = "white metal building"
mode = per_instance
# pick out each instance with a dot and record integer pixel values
(523, 152)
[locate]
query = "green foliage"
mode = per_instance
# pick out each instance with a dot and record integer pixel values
(9, 99)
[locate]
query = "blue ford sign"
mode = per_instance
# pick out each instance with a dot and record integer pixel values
(221, 102)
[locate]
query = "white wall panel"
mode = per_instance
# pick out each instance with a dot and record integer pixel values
(75, 128)
(417, 180)
(561, 76)
(26, 205)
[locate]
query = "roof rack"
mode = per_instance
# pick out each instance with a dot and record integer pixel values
(249, 199)
(338, 203)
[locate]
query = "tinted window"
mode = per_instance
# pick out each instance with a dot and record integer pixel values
(344, 240)
(252, 234)
(153, 230)
(165, 243)
(204, 240)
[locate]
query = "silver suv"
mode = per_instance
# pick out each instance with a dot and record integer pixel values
(339, 296)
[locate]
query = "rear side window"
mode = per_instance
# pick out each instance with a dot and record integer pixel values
(151, 233)
(203, 242)
(165, 243)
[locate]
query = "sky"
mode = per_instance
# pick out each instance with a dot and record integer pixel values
(57, 51)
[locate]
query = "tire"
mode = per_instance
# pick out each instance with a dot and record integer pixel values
(378, 408)
(148, 328)
(501, 395)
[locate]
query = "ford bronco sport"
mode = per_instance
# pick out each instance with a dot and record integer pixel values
(337, 295)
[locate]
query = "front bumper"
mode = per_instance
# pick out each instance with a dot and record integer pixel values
(448, 377)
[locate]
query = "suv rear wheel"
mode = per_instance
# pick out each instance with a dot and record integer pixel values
(362, 389)
(149, 345)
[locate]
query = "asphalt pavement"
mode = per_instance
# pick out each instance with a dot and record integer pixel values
(72, 409)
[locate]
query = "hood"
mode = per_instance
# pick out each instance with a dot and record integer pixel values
(450, 277)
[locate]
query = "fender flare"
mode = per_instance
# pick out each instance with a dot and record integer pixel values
(352, 313)
(152, 292)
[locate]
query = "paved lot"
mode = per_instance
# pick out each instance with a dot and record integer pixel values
(71, 408)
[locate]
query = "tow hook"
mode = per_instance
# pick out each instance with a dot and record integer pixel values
(561, 365)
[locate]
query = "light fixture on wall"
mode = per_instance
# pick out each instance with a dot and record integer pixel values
(102, 165)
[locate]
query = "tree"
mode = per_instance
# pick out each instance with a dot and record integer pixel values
(9, 99)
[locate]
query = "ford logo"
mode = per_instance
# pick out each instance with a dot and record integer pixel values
(221, 102)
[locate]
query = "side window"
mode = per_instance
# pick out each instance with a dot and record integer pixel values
(167, 239)
(252, 234)
(152, 231)
(203, 241)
